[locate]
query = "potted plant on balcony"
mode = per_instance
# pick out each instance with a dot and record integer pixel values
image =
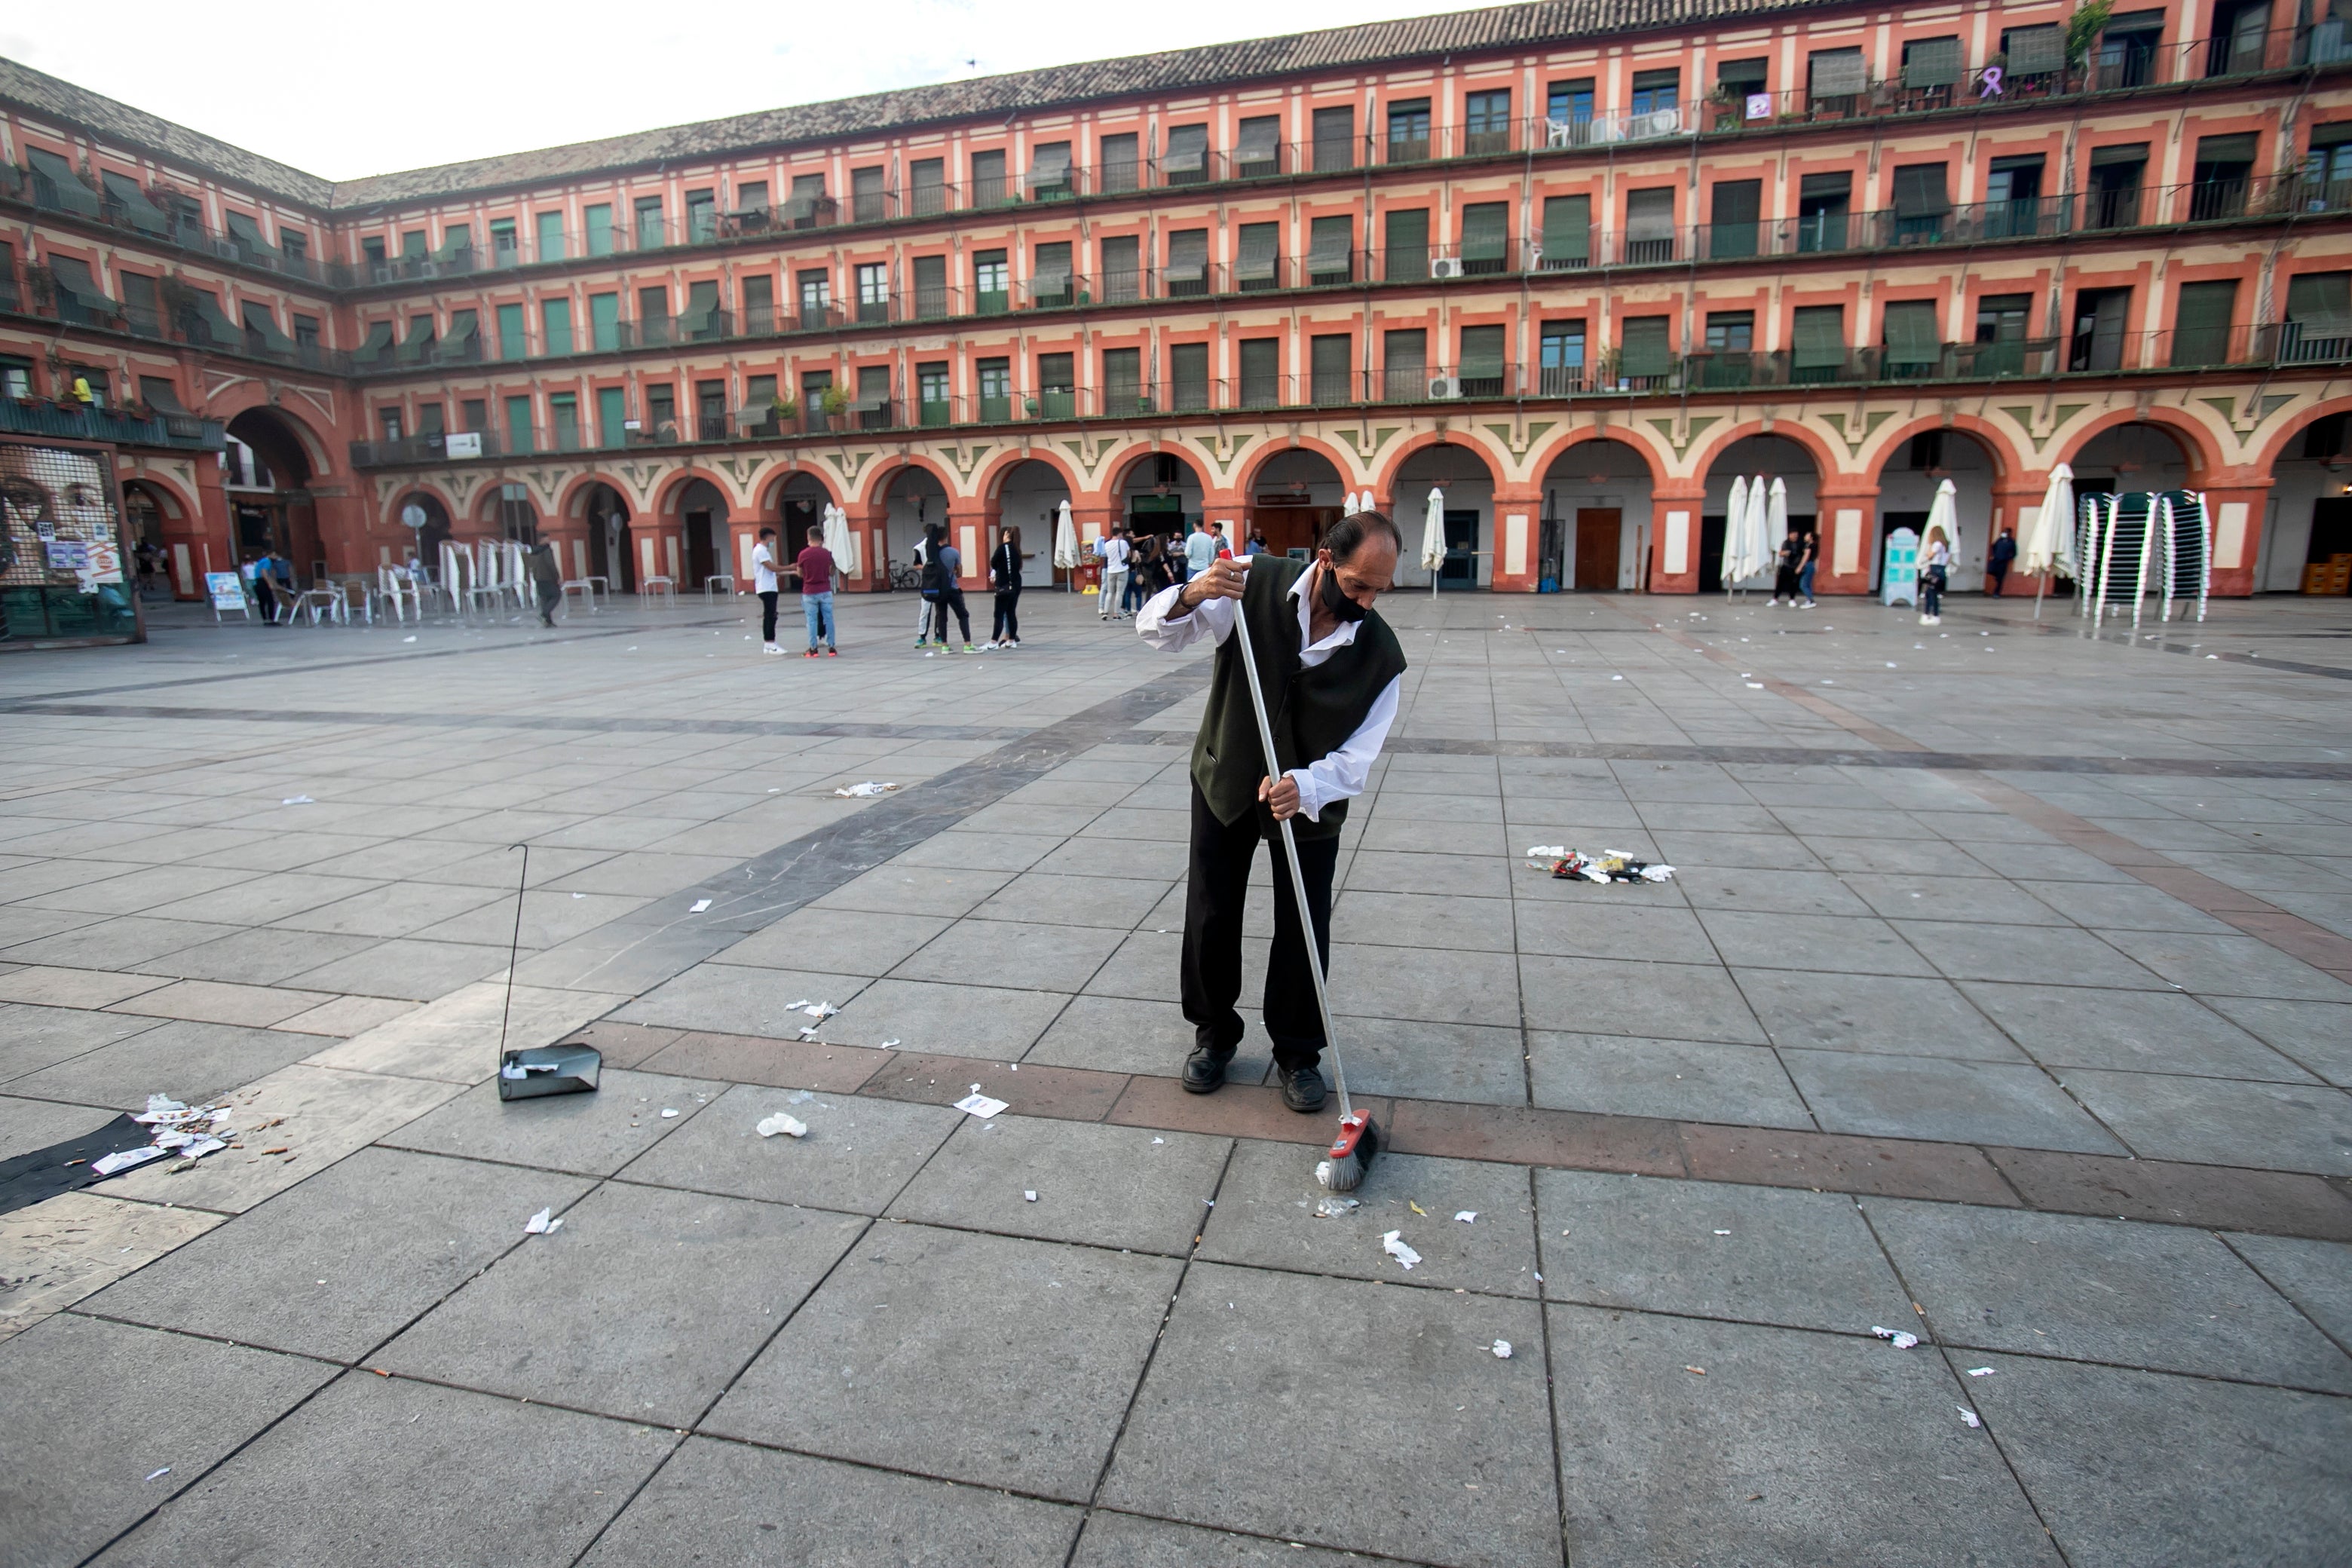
(834, 404)
(782, 411)
(2082, 30)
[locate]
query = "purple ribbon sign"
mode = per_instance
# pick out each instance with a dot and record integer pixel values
(1990, 82)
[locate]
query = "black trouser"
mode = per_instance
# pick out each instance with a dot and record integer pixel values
(768, 616)
(550, 596)
(950, 599)
(1999, 572)
(1931, 591)
(1008, 616)
(1784, 582)
(264, 599)
(1213, 897)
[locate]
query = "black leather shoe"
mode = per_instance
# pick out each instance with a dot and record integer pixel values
(1302, 1089)
(1204, 1070)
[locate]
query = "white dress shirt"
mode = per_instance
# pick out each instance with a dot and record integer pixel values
(1342, 774)
(763, 569)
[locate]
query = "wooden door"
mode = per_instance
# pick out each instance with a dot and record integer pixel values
(1597, 531)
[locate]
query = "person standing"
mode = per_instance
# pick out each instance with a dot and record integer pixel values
(1784, 572)
(1999, 558)
(1200, 550)
(1224, 546)
(925, 607)
(945, 593)
(1332, 672)
(763, 583)
(814, 563)
(1111, 550)
(1004, 574)
(546, 581)
(265, 597)
(1256, 544)
(1932, 577)
(1805, 564)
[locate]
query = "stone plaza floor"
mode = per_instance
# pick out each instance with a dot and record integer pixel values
(2002, 996)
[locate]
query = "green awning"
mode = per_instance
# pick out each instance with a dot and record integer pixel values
(258, 321)
(1911, 337)
(379, 339)
(204, 321)
(1188, 149)
(1931, 62)
(144, 214)
(1482, 353)
(1486, 231)
(1260, 244)
(245, 231)
(68, 192)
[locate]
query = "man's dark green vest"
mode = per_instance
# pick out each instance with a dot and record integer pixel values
(1313, 711)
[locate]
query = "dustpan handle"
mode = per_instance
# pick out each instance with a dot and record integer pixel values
(1290, 853)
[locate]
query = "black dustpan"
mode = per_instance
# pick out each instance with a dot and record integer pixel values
(527, 1073)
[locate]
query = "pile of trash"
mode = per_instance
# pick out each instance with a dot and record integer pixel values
(866, 790)
(190, 1131)
(1609, 866)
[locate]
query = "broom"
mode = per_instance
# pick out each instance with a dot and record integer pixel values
(1343, 1170)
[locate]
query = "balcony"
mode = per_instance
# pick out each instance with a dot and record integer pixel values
(121, 427)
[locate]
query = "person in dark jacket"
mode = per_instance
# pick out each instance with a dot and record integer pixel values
(1004, 575)
(1998, 558)
(942, 588)
(548, 579)
(1332, 672)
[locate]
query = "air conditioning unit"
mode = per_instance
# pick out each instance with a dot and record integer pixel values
(1443, 386)
(1446, 266)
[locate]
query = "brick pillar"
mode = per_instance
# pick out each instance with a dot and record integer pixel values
(971, 526)
(2235, 509)
(206, 535)
(1675, 506)
(1846, 513)
(1518, 527)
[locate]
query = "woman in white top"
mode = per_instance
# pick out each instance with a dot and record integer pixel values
(1932, 573)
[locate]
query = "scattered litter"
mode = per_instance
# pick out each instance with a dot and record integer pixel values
(1545, 852)
(1609, 866)
(298, 800)
(1755, 686)
(799, 1097)
(1028, 1196)
(166, 1470)
(1416, 1209)
(1323, 1172)
(1502, 1350)
(817, 1009)
(865, 791)
(1393, 1245)
(124, 1159)
(579, 894)
(1696, 1371)
(699, 905)
(1903, 1341)
(408, 640)
(1467, 1216)
(1968, 1415)
(1159, 1139)
(1723, 1233)
(1616, 677)
(979, 1105)
(540, 1225)
(888, 1044)
(1335, 1207)
(789, 1126)
(1979, 1372)
(667, 1112)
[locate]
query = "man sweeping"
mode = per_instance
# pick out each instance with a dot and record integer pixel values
(1331, 671)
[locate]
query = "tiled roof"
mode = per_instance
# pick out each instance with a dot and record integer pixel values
(1540, 22)
(50, 98)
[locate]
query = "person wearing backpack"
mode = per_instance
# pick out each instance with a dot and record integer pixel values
(941, 587)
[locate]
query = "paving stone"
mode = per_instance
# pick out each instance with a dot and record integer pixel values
(729, 1502)
(957, 1019)
(395, 909)
(1622, 1076)
(1759, 1255)
(408, 968)
(1654, 1001)
(1886, 1014)
(2316, 1276)
(1598, 928)
(47, 987)
(2158, 1296)
(86, 1429)
(364, 1473)
(1957, 1102)
(2315, 1034)
(1789, 1447)
(1099, 1185)
(62, 1249)
(2130, 1467)
(34, 1037)
(264, 956)
(896, 888)
(185, 1060)
(2286, 1127)
(345, 1017)
(1457, 1482)
(736, 999)
(2228, 965)
(836, 941)
(2145, 1031)
(1469, 1063)
(1117, 1034)
(643, 1306)
(1265, 1218)
(214, 1002)
(988, 1360)
(28, 1125)
(1124, 1540)
(1113, 902)
(340, 1263)
(125, 942)
(859, 1152)
(591, 1134)
(1006, 953)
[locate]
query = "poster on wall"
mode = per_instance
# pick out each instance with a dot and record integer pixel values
(462, 444)
(61, 548)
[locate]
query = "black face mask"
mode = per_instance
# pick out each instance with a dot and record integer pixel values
(1337, 603)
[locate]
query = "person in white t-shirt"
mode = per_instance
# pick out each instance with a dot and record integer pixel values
(763, 580)
(1111, 550)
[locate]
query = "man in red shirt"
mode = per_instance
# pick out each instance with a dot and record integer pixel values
(815, 567)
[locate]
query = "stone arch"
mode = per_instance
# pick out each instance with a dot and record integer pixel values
(1344, 462)
(1498, 462)
(505, 509)
(878, 484)
(1160, 492)
(1292, 493)
(795, 504)
(235, 403)
(426, 542)
(572, 500)
(1645, 443)
(904, 499)
(2300, 520)
(991, 482)
(1468, 505)
(601, 510)
(1705, 455)
(1600, 491)
(1027, 496)
(1905, 492)
(2009, 463)
(1760, 453)
(669, 496)
(2282, 439)
(771, 496)
(2193, 440)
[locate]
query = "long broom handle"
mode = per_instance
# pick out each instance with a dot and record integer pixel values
(1290, 853)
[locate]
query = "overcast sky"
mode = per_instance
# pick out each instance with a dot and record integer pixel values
(346, 91)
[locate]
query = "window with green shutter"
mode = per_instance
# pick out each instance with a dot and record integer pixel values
(1122, 380)
(934, 403)
(1647, 356)
(1188, 371)
(1730, 359)
(555, 323)
(1731, 230)
(605, 322)
(519, 426)
(1480, 368)
(1188, 262)
(703, 319)
(2318, 317)
(995, 390)
(1650, 224)
(1404, 365)
(1260, 373)
(2202, 319)
(513, 343)
(1408, 246)
(1560, 346)
(1257, 259)
(1122, 268)
(1566, 233)
(563, 414)
(1486, 236)
(1931, 63)
(1331, 250)
(599, 219)
(1818, 343)
(1332, 361)
(1913, 339)
(1186, 162)
(992, 282)
(611, 415)
(550, 236)
(1921, 207)
(930, 287)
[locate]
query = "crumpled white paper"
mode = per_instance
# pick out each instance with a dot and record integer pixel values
(1467, 1216)
(1968, 1415)
(1335, 1207)
(1393, 1245)
(1903, 1341)
(979, 1105)
(1502, 1350)
(865, 791)
(789, 1126)
(540, 1225)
